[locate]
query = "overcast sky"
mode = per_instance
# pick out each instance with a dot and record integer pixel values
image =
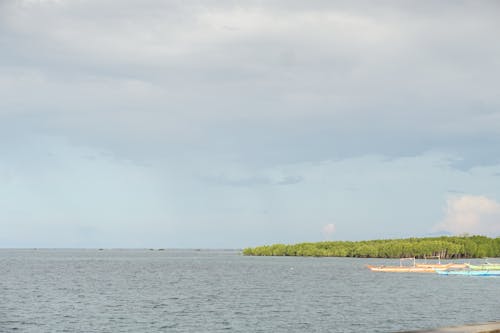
(226, 124)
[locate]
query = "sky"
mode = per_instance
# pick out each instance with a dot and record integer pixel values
(227, 124)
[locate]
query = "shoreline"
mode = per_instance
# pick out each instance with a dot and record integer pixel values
(489, 327)
(444, 247)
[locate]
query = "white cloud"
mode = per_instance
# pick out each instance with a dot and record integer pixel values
(329, 230)
(471, 214)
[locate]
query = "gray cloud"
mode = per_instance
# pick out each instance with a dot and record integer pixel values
(290, 180)
(254, 83)
(251, 181)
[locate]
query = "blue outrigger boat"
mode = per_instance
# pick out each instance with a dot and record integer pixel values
(469, 272)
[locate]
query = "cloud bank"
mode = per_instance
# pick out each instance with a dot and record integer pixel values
(267, 84)
(223, 123)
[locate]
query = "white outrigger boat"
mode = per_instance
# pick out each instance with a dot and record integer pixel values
(415, 268)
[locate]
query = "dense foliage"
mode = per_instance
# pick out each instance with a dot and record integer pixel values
(445, 247)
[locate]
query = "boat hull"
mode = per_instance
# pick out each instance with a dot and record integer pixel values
(443, 266)
(398, 269)
(470, 272)
(418, 268)
(485, 267)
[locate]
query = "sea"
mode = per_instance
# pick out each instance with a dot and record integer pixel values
(94, 290)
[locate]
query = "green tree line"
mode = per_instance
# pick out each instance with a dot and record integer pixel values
(445, 247)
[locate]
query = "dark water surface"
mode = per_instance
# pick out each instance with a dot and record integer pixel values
(215, 291)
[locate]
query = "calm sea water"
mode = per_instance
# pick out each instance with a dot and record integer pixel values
(215, 291)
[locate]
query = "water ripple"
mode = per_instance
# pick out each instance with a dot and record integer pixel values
(209, 291)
